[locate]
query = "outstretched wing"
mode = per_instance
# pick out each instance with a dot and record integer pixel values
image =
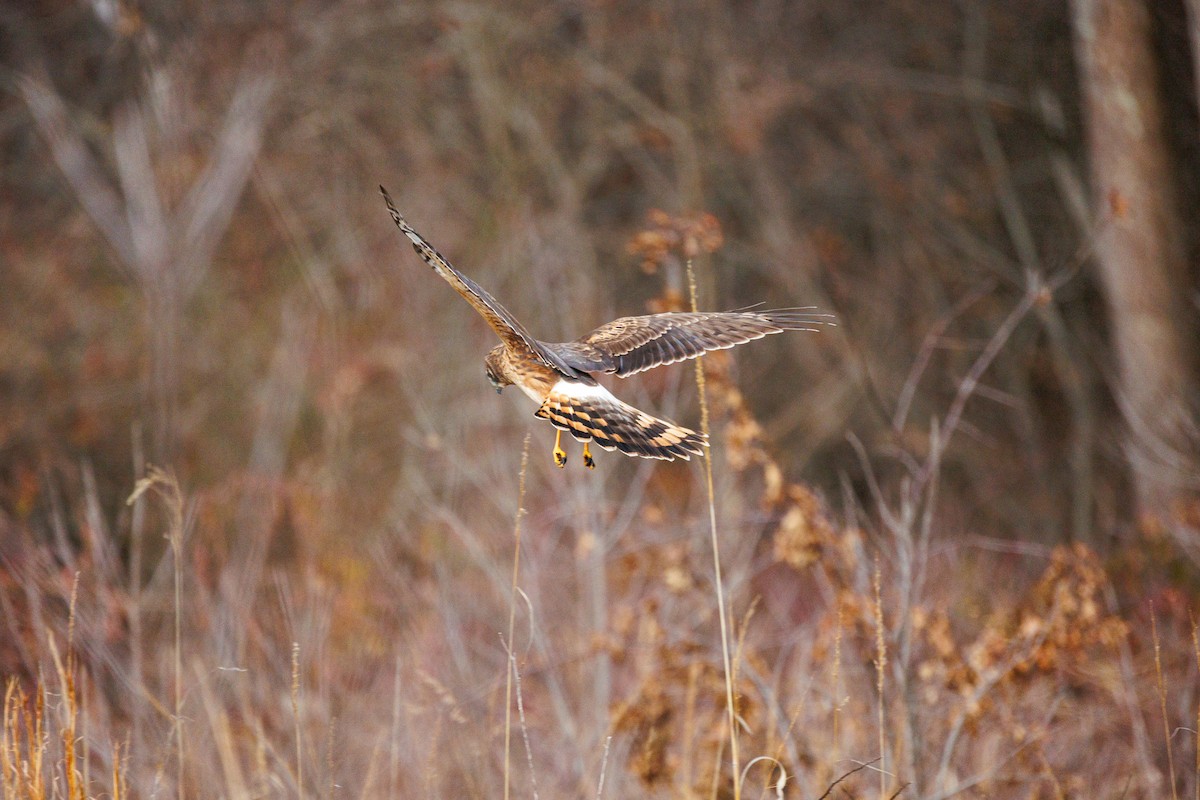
(511, 332)
(632, 344)
(592, 413)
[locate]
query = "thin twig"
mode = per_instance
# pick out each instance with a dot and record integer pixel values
(716, 550)
(512, 661)
(603, 768)
(859, 768)
(966, 388)
(512, 615)
(928, 346)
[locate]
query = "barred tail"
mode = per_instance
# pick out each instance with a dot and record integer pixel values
(591, 413)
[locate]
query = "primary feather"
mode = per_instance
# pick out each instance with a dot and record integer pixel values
(630, 345)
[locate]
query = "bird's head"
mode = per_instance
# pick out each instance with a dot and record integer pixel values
(495, 373)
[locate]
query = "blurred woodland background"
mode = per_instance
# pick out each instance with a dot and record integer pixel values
(960, 532)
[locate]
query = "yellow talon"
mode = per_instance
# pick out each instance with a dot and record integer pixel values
(588, 461)
(560, 455)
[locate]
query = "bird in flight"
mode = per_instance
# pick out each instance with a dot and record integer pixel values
(560, 376)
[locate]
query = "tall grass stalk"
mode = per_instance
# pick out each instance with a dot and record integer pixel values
(176, 536)
(1196, 650)
(66, 678)
(516, 673)
(1162, 703)
(394, 737)
(688, 736)
(222, 736)
(330, 738)
(512, 617)
(296, 719)
(880, 664)
(837, 683)
(603, 768)
(167, 488)
(118, 776)
(136, 529)
(716, 551)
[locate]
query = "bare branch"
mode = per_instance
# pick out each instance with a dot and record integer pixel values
(859, 768)
(77, 164)
(146, 218)
(205, 213)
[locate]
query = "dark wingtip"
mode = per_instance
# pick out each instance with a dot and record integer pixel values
(395, 212)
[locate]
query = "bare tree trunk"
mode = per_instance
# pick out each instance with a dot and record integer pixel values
(1141, 262)
(1193, 17)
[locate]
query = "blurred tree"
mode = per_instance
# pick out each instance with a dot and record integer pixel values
(166, 251)
(886, 166)
(1141, 251)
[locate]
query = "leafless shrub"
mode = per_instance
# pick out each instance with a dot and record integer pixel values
(351, 483)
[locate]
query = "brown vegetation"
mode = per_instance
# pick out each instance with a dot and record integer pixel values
(257, 498)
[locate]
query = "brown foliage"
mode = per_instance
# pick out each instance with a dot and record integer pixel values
(347, 477)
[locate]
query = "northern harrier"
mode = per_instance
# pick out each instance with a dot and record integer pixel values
(559, 377)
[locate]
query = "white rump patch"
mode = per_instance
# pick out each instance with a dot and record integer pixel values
(581, 391)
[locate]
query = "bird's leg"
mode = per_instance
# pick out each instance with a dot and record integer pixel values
(588, 461)
(560, 455)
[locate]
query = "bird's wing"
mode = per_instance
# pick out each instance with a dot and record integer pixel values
(592, 413)
(632, 344)
(511, 332)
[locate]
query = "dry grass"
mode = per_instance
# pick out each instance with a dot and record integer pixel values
(1010, 686)
(953, 602)
(850, 677)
